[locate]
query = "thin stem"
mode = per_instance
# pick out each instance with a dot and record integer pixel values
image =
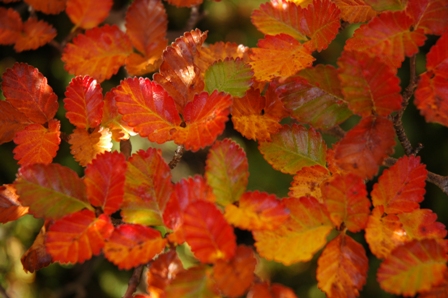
(126, 148)
(177, 157)
(133, 282)
(195, 17)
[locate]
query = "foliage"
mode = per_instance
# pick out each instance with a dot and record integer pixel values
(126, 206)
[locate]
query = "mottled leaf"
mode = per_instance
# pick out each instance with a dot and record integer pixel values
(307, 182)
(84, 146)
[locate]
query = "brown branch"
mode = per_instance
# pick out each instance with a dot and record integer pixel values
(133, 282)
(177, 157)
(126, 148)
(193, 20)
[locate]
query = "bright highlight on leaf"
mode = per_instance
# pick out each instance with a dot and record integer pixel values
(84, 146)
(10, 207)
(88, 13)
(206, 56)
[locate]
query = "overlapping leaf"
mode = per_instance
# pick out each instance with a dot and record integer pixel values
(147, 188)
(10, 26)
(369, 85)
(192, 283)
(113, 120)
(265, 290)
(429, 15)
(257, 211)
(365, 146)
(88, 13)
(355, 11)
(48, 6)
(206, 56)
(76, 237)
(342, 267)
(162, 271)
(100, 52)
(413, 267)
(11, 121)
(439, 290)
(51, 191)
(209, 235)
(279, 56)
(132, 245)
(421, 224)
(307, 182)
(10, 207)
(297, 239)
(34, 34)
(387, 5)
(84, 146)
(293, 148)
(104, 179)
(401, 187)
(37, 257)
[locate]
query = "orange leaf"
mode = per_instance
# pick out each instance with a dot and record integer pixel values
(342, 267)
(205, 119)
(132, 245)
(206, 231)
(439, 290)
(84, 146)
(355, 11)
(84, 102)
(346, 200)
(137, 64)
(227, 171)
(162, 272)
(100, 52)
(401, 187)
(104, 179)
(88, 13)
(365, 146)
(10, 207)
(147, 188)
(48, 6)
(11, 121)
(34, 34)
(307, 182)
(413, 267)
(148, 108)
(113, 120)
(300, 236)
(37, 144)
(387, 5)
(206, 56)
(264, 290)
(257, 211)
(26, 89)
(177, 74)
(421, 224)
(429, 15)
(10, 26)
(233, 278)
(76, 237)
(279, 56)
(184, 3)
(37, 257)
(192, 283)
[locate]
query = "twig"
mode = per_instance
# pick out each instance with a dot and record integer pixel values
(177, 157)
(126, 148)
(195, 17)
(133, 281)
(3, 292)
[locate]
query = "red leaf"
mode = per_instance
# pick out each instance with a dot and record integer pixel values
(37, 144)
(11, 121)
(104, 180)
(421, 224)
(133, 245)
(365, 146)
(184, 3)
(264, 290)
(355, 11)
(84, 102)
(37, 257)
(10, 26)
(47, 6)
(148, 108)
(77, 236)
(26, 89)
(34, 34)
(206, 231)
(10, 207)
(429, 15)
(88, 13)
(401, 187)
(162, 272)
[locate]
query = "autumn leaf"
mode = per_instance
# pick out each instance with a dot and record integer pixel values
(365, 146)
(10, 207)
(88, 13)
(84, 146)
(342, 267)
(147, 188)
(428, 15)
(300, 236)
(355, 11)
(227, 171)
(36, 257)
(113, 120)
(293, 148)
(11, 121)
(207, 55)
(27, 90)
(439, 290)
(99, 53)
(162, 272)
(401, 187)
(257, 211)
(421, 224)
(279, 56)
(10, 26)
(265, 290)
(184, 3)
(210, 237)
(387, 5)
(37, 144)
(47, 6)
(131, 245)
(413, 267)
(51, 191)
(307, 182)
(104, 179)
(76, 237)
(192, 283)
(34, 34)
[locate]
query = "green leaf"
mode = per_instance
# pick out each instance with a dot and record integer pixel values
(232, 76)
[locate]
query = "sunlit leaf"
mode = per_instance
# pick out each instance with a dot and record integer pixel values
(355, 11)
(401, 187)
(210, 237)
(37, 257)
(184, 3)
(177, 74)
(206, 56)
(26, 89)
(421, 224)
(227, 171)
(51, 191)
(413, 267)
(88, 13)
(84, 146)
(365, 146)
(265, 290)
(84, 102)
(48, 6)
(429, 15)
(37, 144)
(10, 26)
(104, 179)
(342, 267)
(76, 237)
(99, 53)
(147, 188)
(10, 207)
(162, 272)
(132, 245)
(279, 56)
(307, 182)
(233, 278)
(346, 200)
(293, 148)
(113, 120)
(257, 211)
(192, 283)
(300, 236)
(34, 34)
